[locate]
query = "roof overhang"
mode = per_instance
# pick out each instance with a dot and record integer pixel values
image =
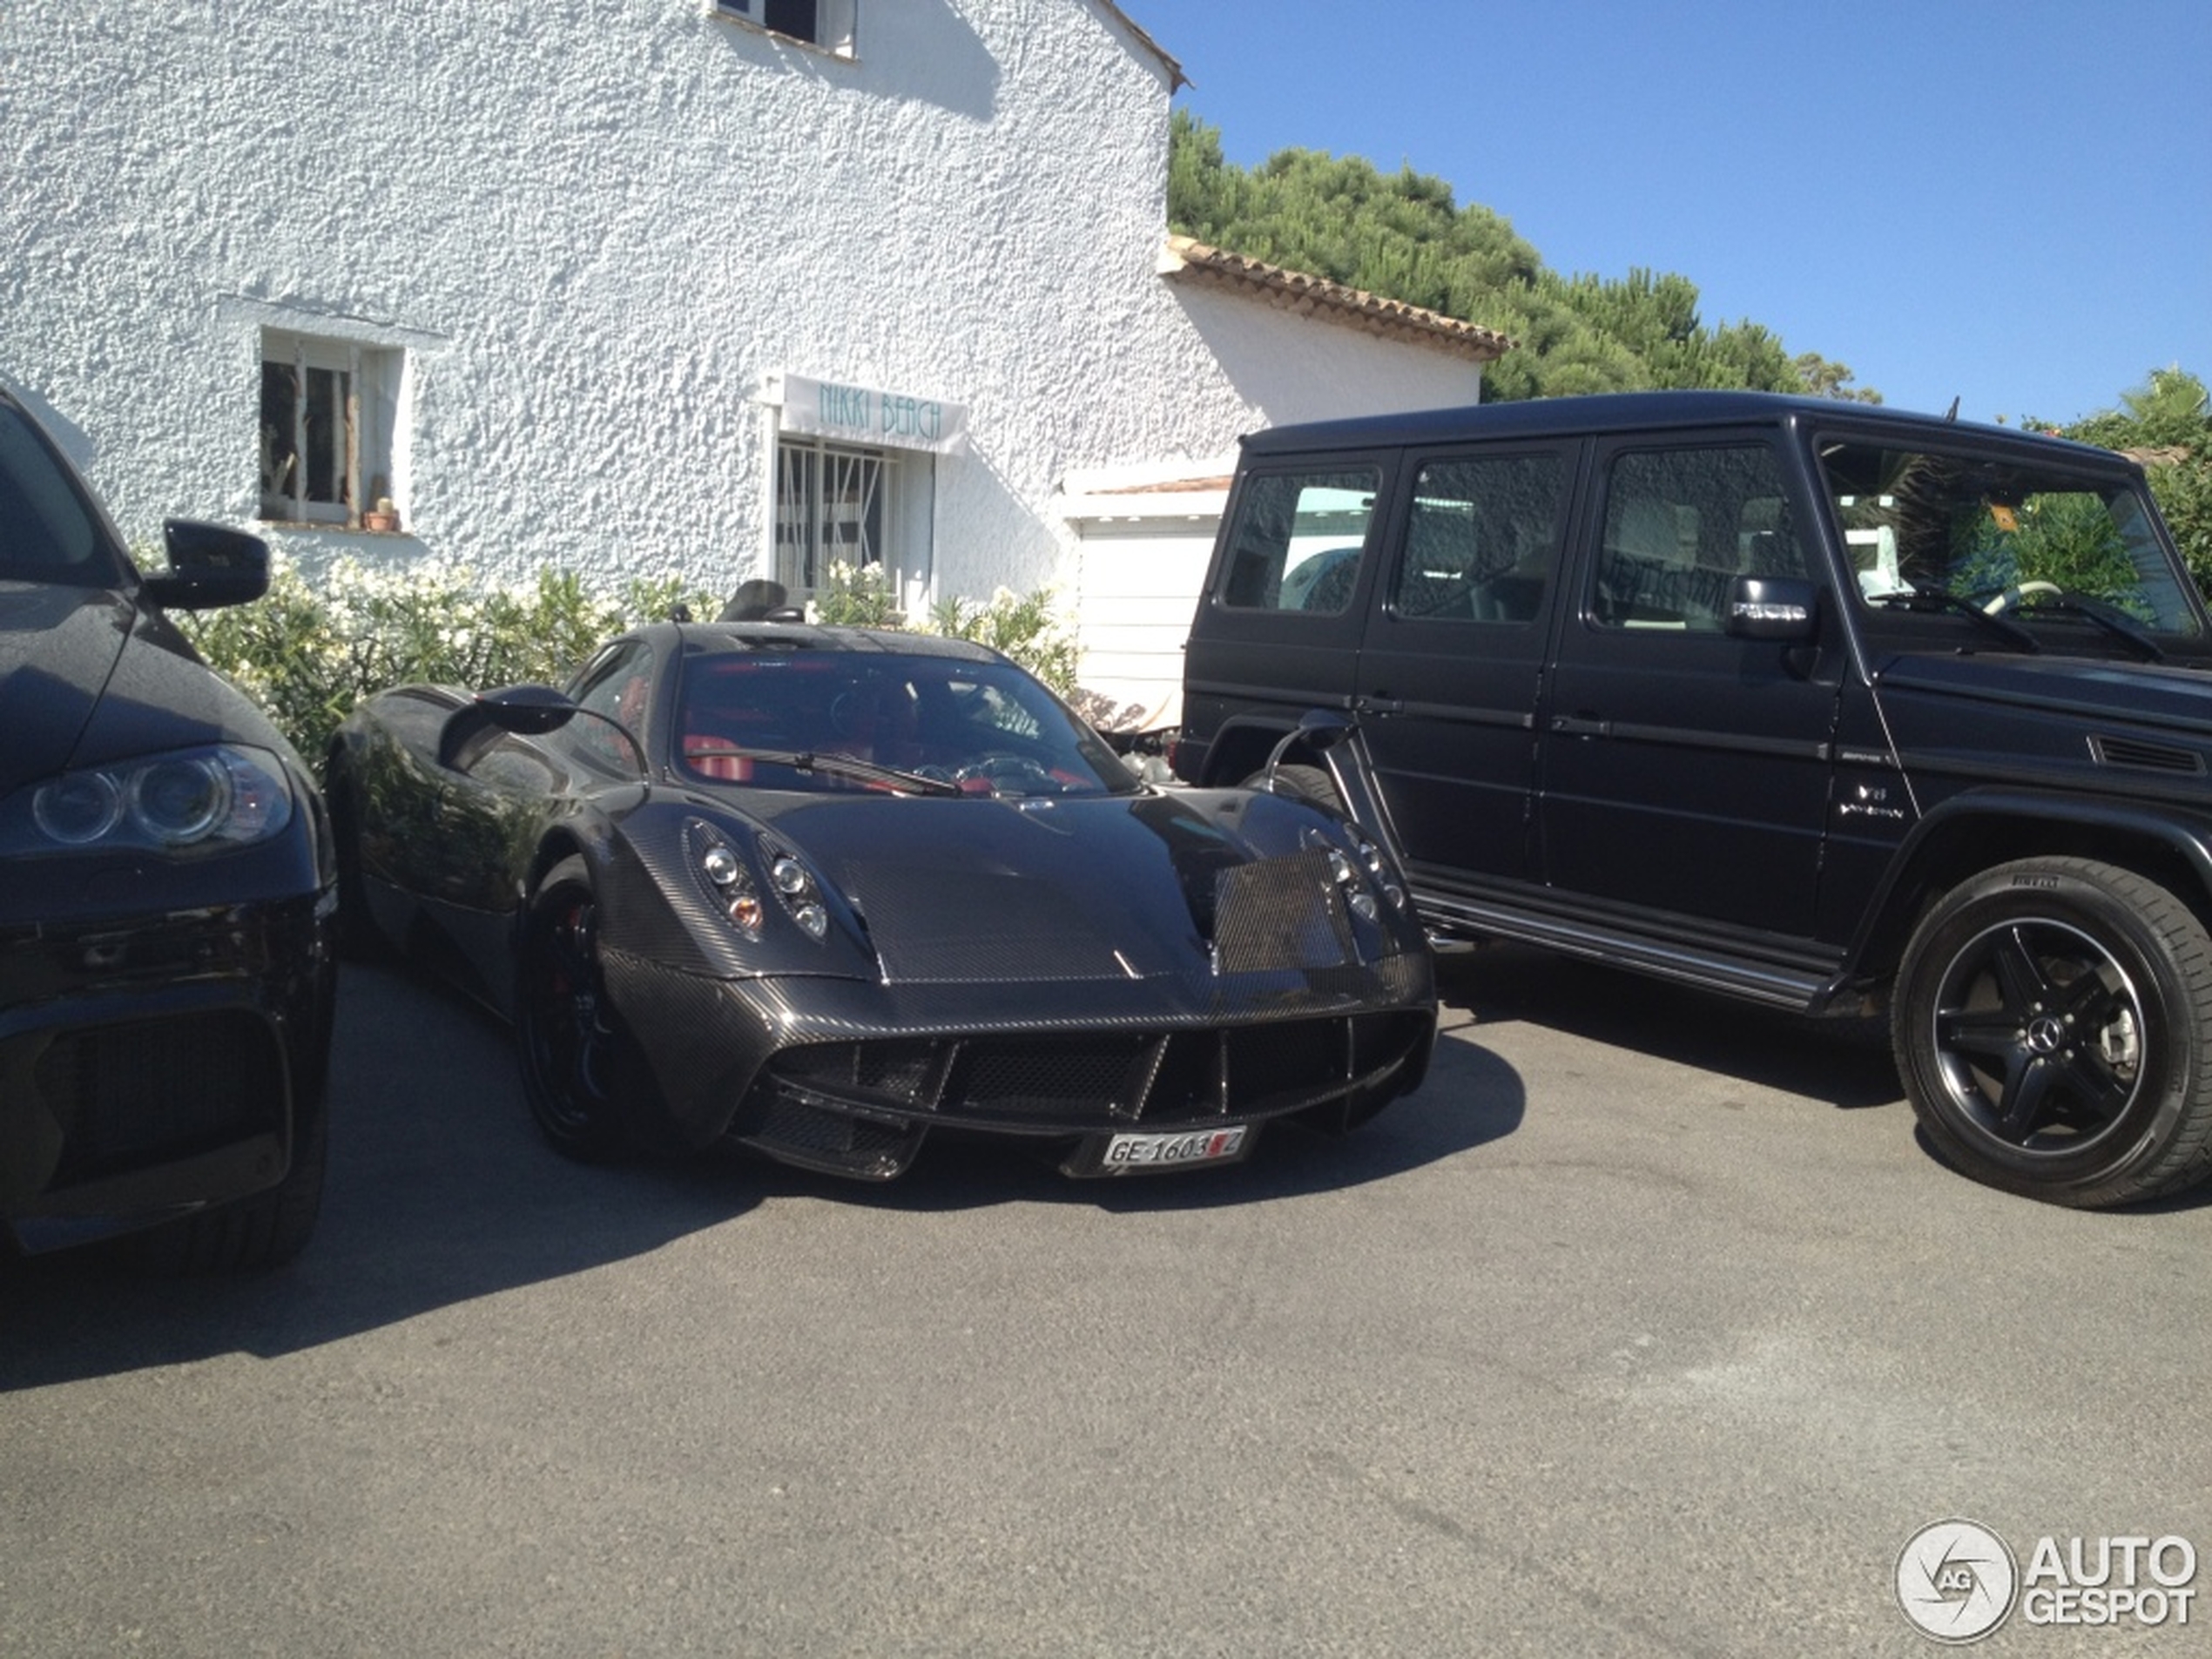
(1183, 260)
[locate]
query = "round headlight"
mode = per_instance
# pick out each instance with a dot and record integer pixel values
(180, 800)
(721, 866)
(812, 917)
(79, 808)
(789, 875)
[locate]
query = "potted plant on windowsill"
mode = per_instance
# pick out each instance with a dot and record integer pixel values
(382, 517)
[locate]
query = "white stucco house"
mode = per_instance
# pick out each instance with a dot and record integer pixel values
(716, 288)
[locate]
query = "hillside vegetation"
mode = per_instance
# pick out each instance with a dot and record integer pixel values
(1402, 235)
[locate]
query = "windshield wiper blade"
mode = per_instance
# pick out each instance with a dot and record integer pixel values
(843, 766)
(2111, 619)
(1927, 598)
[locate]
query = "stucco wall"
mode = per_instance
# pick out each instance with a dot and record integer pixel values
(596, 226)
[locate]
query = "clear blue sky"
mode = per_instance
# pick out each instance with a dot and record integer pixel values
(2007, 203)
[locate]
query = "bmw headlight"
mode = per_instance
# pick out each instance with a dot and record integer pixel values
(189, 801)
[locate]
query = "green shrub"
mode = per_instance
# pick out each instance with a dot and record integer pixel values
(1027, 628)
(856, 596)
(309, 650)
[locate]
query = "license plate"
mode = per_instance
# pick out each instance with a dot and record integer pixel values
(1157, 1151)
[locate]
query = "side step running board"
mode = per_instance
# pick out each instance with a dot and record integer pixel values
(1777, 984)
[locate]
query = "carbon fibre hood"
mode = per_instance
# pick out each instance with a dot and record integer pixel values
(1125, 888)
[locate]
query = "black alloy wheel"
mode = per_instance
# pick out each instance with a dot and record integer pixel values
(581, 1071)
(2053, 1027)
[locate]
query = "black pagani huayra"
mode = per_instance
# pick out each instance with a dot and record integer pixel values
(822, 891)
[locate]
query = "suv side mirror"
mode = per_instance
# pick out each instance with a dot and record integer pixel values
(1772, 607)
(210, 566)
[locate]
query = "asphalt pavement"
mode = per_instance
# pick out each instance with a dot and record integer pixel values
(1647, 1327)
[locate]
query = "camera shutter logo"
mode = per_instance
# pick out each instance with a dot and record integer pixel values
(1957, 1580)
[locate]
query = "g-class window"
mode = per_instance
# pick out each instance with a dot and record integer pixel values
(1481, 535)
(1680, 525)
(2006, 535)
(1298, 538)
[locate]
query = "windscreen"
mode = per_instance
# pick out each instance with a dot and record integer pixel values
(817, 719)
(48, 532)
(2024, 537)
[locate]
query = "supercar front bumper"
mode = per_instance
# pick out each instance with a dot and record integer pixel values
(850, 1077)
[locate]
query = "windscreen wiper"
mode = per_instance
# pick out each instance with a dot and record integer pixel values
(839, 766)
(2111, 619)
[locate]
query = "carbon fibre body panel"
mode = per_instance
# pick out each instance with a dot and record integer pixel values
(1080, 954)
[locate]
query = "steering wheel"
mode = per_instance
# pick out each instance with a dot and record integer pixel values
(2011, 596)
(1008, 774)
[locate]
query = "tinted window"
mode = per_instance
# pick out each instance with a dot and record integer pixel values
(1297, 540)
(985, 727)
(1680, 525)
(47, 531)
(619, 686)
(1481, 537)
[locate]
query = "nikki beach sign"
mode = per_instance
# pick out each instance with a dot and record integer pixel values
(867, 415)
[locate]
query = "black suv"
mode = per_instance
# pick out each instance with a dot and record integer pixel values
(166, 891)
(1829, 707)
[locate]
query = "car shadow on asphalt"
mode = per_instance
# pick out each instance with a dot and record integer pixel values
(1844, 1062)
(441, 1191)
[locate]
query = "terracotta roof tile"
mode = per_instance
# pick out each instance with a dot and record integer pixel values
(1185, 260)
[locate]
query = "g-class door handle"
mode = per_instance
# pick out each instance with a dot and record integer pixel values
(1579, 726)
(1381, 703)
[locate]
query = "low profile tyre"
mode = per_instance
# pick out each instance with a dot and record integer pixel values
(2052, 1024)
(582, 1072)
(1301, 783)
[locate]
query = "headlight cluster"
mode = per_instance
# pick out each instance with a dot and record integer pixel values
(191, 801)
(1346, 867)
(729, 881)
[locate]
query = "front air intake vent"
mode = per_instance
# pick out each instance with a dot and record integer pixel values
(2139, 756)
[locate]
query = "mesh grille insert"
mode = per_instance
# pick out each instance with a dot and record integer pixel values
(129, 1094)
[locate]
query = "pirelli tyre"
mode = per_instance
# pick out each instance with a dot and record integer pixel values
(2052, 1024)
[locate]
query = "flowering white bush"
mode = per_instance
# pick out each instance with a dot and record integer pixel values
(310, 650)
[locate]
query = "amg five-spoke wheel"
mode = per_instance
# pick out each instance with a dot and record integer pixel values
(2051, 1024)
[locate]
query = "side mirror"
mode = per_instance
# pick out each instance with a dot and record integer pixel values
(525, 711)
(1769, 607)
(1320, 730)
(210, 566)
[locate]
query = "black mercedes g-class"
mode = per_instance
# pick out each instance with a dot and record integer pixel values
(1829, 707)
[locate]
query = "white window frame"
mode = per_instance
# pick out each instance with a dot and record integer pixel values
(841, 503)
(363, 384)
(836, 22)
